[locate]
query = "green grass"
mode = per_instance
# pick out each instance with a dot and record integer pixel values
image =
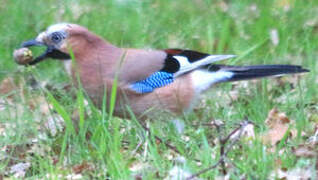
(242, 29)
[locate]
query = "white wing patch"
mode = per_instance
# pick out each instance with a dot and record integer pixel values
(203, 79)
(183, 61)
(186, 65)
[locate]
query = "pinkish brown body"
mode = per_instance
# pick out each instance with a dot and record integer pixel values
(97, 63)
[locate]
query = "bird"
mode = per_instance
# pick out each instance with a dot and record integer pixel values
(147, 81)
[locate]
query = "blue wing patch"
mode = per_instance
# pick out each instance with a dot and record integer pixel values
(156, 80)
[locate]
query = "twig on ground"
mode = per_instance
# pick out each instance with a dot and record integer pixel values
(223, 152)
(222, 141)
(160, 140)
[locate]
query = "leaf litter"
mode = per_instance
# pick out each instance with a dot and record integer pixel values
(278, 124)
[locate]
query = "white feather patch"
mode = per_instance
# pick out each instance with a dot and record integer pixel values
(57, 27)
(51, 29)
(186, 66)
(40, 37)
(184, 62)
(203, 79)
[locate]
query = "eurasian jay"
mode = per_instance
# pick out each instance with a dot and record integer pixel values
(170, 79)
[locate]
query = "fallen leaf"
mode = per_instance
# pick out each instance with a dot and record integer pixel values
(307, 151)
(41, 103)
(7, 85)
(278, 124)
(77, 169)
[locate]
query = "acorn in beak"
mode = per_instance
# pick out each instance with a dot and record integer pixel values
(50, 52)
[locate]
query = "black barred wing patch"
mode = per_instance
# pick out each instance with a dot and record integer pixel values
(191, 55)
(182, 61)
(172, 65)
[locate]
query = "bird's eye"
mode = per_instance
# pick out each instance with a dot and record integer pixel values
(56, 37)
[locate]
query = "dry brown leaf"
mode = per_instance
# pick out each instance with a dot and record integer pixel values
(41, 103)
(8, 85)
(307, 151)
(278, 124)
(77, 169)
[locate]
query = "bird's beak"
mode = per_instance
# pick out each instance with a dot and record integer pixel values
(50, 52)
(32, 42)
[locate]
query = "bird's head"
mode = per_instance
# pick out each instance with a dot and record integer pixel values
(60, 39)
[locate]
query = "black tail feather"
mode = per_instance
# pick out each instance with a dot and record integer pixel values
(257, 71)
